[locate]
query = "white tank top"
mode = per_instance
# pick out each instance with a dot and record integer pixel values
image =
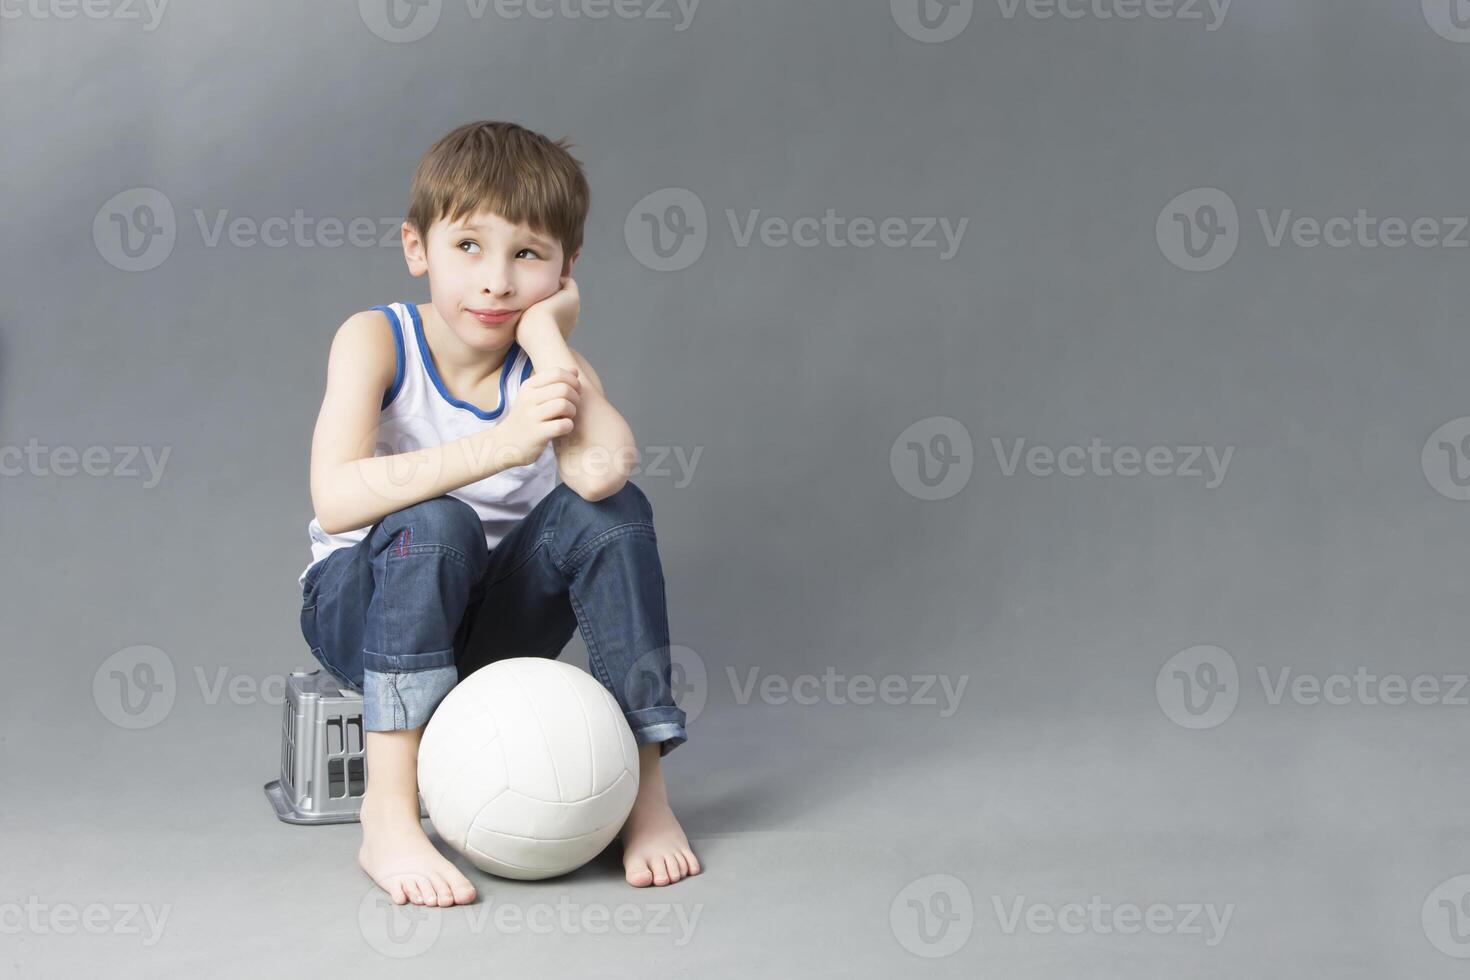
(418, 412)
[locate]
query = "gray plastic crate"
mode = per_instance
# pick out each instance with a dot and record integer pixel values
(323, 756)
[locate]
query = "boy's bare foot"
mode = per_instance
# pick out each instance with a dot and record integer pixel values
(655, 850)
(400, 858)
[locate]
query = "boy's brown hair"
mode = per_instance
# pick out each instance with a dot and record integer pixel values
(505, 168)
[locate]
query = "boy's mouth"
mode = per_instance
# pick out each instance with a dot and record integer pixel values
(493, 316)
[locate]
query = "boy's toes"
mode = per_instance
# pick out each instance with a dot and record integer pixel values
(443, 896)
(690, 861)
(675, 872)
(639, 874)
(423, 892)
(461, 891)
(660, 871)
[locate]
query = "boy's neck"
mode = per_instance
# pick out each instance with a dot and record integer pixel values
(459, 365)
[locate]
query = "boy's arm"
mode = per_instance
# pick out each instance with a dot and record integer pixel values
(352, 488)
(596, 458)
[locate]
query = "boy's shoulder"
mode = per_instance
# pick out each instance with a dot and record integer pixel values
(364, 346)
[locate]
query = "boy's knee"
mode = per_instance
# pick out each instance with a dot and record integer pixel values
(445, 521)
(628, 506)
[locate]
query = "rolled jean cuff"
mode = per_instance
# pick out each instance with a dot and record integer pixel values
(663, 725)
(397, 700)
(395, 663)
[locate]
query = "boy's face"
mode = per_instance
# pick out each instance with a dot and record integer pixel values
(485, 263)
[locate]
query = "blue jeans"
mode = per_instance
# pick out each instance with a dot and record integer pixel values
(421, 602)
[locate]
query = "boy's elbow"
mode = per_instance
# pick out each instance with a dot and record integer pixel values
(593, 490)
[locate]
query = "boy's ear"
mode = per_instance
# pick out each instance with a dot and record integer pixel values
(415, 251)
(567, 266)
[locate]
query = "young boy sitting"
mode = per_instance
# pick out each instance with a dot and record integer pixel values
(441, 539)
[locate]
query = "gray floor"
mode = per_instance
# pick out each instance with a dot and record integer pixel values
(1315, 847)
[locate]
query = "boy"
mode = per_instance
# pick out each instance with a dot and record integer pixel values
(441, 540)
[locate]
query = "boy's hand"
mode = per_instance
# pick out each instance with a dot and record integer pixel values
(562, 307)
(544, 409)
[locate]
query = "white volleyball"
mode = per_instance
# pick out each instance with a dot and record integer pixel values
(528, 768)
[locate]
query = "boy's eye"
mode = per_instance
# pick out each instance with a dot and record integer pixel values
(523, 251)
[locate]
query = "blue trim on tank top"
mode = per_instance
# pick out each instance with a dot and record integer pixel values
(393, 390)
(510, 358)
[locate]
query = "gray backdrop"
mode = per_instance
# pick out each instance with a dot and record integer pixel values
(1171, 480)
